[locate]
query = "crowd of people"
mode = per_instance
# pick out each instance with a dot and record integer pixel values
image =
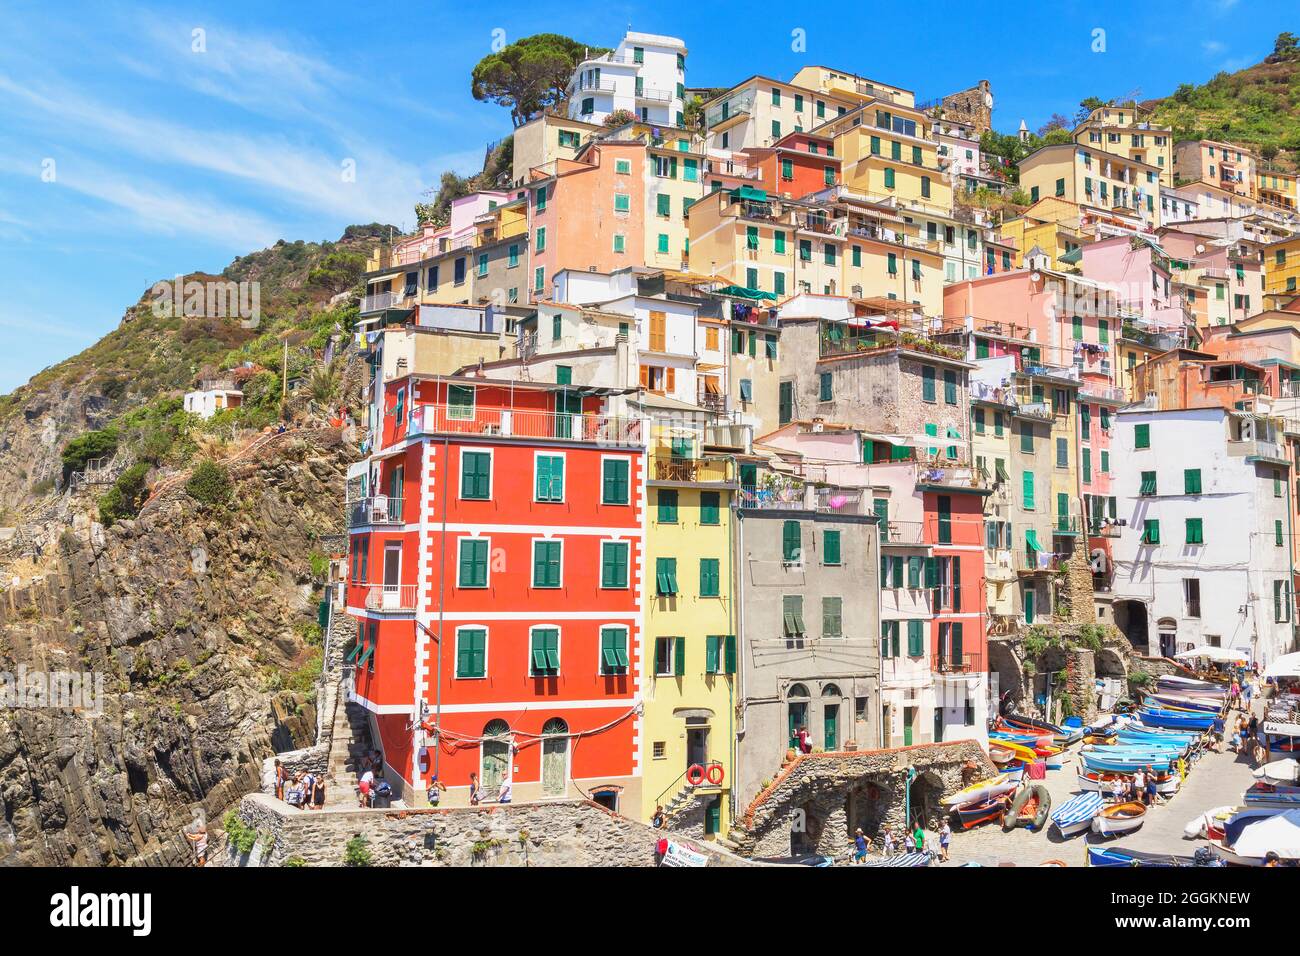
(913, 841)
(304, 790)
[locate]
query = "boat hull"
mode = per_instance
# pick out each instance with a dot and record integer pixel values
(1119, 818)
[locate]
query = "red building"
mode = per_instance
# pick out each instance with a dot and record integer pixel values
(954, 527)
(496, 573)
(797, 164)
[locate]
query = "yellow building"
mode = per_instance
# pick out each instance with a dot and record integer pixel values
(887, 153)
(1086, 175)
(1127, 131)
(759, 111)
(1282, 266)
(1276, 188)
(689, 633)
(1059, 395)
(1215, 163)
(852, 87)
(547, 138)
(1051, 224)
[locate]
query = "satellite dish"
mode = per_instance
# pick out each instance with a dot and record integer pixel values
(1200, 247)
(1034, 276)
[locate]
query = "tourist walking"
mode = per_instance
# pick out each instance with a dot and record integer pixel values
(475, 791)
(860, 846)
(919, 838)
(887, 841)
(280, 777)
(436, 789)
(909, 842)
(945, 837)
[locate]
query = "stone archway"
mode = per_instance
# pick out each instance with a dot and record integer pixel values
(1109, 662)
(1006, 671)
(869, 803)
(806, 827)
(1131, 619)
(923, 795)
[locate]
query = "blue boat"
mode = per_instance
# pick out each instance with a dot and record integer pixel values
(1115, 856)
(1075, 815)
(1174, 719)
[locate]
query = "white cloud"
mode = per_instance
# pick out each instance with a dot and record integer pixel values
(1212, 47)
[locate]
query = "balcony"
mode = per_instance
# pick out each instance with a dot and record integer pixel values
(654, 96)
(804, 498)
(376, 510)
(1257, 448)
(1042, 411)
(1067, 525)
(690, 469)
(523, 424)
(903, 534)
(391, 598)
(957, 664)
(1104, 392)
(381, 301)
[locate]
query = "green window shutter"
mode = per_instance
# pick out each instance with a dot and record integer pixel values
(667, 498)
(830, 547)
(889, 177)
(712, 646)
(825, 387)
(679, 656)
(730, 653)
(778, 241)
(1192, 481)
(1027, 486)
(927, 381)
(1085, 420)
(787, 169)
(791, 542)
(1195, 531)
(915, 564)
(1087, 466)
(1277, 483)
(915, 639)
(666, 575)
(950, 387)
(475, 474)
(710, 507)
(613, 650)
(979, 421)
(1150, 532)
(1277, 533)
(832, 617)
(769, 343)
(614, 486)
(931, 572)
(471, 652)
(1026, 437)
(1148, 486)
(544, 651)
(1141, 436)
(1062, 453)
(1105, 463)
(546, 564)
(945, 519)
(550, 478)
(709, 577)
(473, 563)
(613, 564)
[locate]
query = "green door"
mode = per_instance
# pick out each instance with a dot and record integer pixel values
(713, 817)
(555, 757)
(909, 715)
(495, 757)
(831, 726)
(567, 404)
(938, 724)
(1029, 605)
(798, 718)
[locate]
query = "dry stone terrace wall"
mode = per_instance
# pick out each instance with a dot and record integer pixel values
(838, 792)
(554, 833)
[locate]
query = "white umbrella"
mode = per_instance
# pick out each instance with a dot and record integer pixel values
(1278, 834)
(1214, 653)
(1284, 772)
(1288, 665)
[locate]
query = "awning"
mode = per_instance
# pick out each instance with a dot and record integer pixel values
(1224, 654)
(740, 292)
(1288, 665)
(711, 385)
(750, 193)
(1031, 539)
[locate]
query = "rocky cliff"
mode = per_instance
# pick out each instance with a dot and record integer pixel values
(200, 620)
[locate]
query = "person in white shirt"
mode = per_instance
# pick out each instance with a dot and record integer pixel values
(503, 794)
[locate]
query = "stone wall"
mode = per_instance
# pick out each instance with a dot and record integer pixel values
(826, 796)
(970, 106)
(1077, 591)
(1080, 683)
(554, 833)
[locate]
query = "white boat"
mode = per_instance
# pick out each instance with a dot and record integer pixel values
(1199, 825)
(1119, 818)
(1076, 814)
(1101, 783)
(1279, 773)
(983, 790)
(1250, 835)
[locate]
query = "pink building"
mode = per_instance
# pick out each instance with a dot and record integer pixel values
(1142, 276)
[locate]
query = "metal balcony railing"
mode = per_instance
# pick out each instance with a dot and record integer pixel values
(380, 301)
(957, 664)
(375, 510)
(902, 533)
(391, 597)
(586, 427)
(690, 469)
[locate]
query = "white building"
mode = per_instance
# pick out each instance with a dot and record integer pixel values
(213, 397)
(645, 75)
(1204, 557)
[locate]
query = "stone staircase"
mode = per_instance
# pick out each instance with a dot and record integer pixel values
(350, 742)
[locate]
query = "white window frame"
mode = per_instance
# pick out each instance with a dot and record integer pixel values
(603, 459)
(600, 569)
(492, 472)
(564, 490)
(559, 646)
(627, 644)
(532, 564)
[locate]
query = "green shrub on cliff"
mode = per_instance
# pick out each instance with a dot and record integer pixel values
(210, 484)
(127, 495)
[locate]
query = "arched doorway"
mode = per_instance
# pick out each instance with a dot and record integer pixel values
(805, 829)
(796, 702)
(830, 718)
(923, 795)
(1167, 628)
(1131, 619)
(494, 760)
(555, 757)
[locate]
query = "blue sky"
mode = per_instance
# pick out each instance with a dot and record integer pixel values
(167, 160)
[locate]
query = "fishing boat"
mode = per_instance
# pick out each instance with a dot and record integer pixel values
(1176, 719)
(1127, 761)
(1028, 808)
(1075, 815)
(1269, 795)
(1166, 784)
(973, 814)
(983, 790)
(1014, 771)
(1056, 760)
(1060, 735)
(1200, 825)
(1279, 773)
(1249, 835)
(1022, 753)
(1118, 856)
(1001, 755)
(1184, 702)
(1119, 818)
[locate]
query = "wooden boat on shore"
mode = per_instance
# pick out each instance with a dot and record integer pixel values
(1270, 795)
(1119, 818)
(1118, 856)
(1249, 835)
(1102, 781)
(982, 790)
(1001, 755)
(973, 814)
(1075, 816)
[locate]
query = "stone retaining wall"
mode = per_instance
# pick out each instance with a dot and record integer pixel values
(554, 833)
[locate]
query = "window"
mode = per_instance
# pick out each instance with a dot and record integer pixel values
(665, 576)
(927, 382)
(476, 475)
(1150, 531)
(667, 505)
(622, 202)
(830, 547)
(915, 638)
(1195, 531)
(709, 507)
(544, 652)
(1281, 601)
(513, 256)
(664, 656)
(613, 564)
(1141, 436)
(979, 421)
(613, 650)
(791, 542)
(1148, 485)
(832, 617)
(614, 481)
(1191, 481)
(471, 652)
(950, 387)
(710, 579)
(472, 570)
(546, 564)
(1027, 438)
(792, 615)
(945, 519)
(785, 403)
(460, 402)
(1027, 488)
(1278, 538)
(1277, 483)
(889, 639)
(623, 167)
(1062, 453)
(889, 178)
(549, 474)
(1105, 463)
(539, 279)
(483, 264)
(825, 393)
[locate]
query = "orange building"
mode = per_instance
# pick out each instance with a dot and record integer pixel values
(797, 164)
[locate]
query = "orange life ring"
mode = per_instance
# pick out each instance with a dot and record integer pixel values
(717, 777)
(695, 775)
